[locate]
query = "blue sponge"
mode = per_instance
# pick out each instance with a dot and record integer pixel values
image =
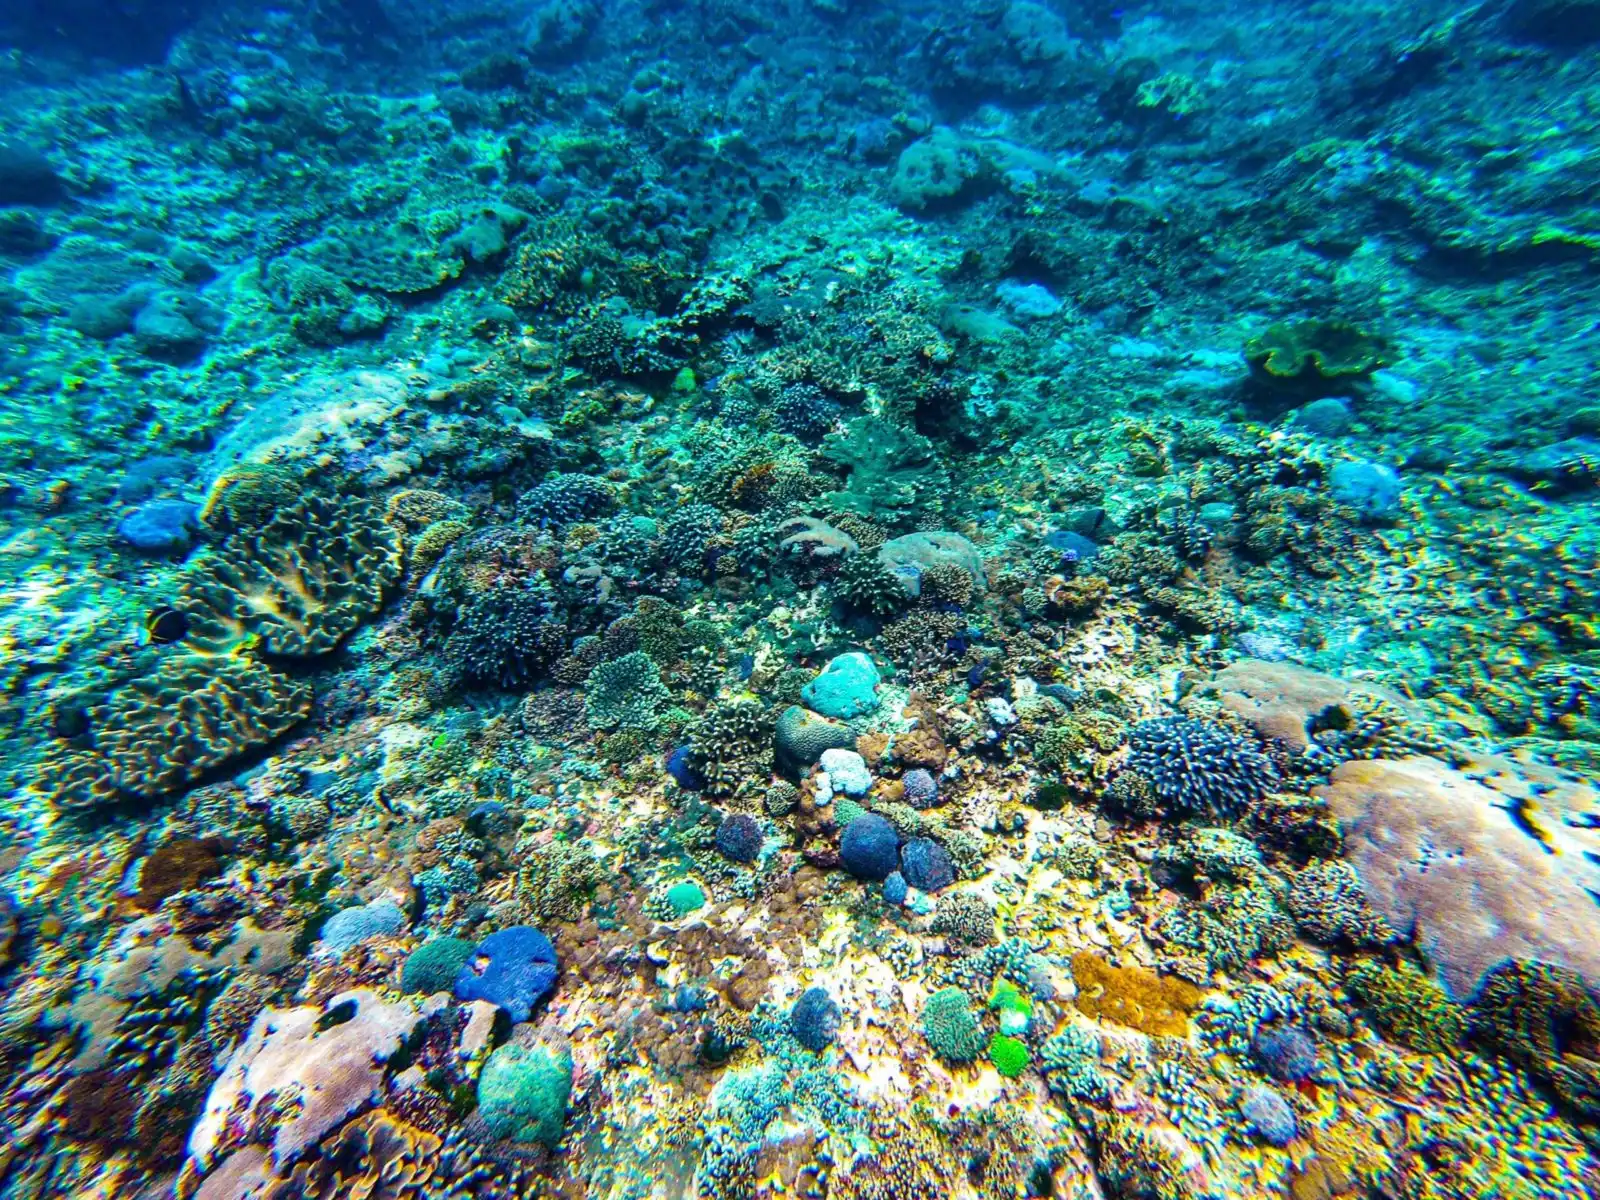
(515, 968)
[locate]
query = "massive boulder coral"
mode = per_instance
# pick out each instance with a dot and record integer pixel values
(1483, 865)
(302, 582)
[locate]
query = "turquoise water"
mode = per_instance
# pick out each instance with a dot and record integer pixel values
(865, 600)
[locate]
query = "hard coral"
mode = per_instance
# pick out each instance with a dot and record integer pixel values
(293, 1057)
(1479, 866)
(299, 584)
(1154, 1004)
(1546, 1018)
(1199, 766)
(950, 1026)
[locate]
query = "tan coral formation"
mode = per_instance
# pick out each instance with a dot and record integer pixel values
(1481, 866)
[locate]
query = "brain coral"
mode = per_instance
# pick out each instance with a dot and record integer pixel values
(303, 581)
(1479, 865)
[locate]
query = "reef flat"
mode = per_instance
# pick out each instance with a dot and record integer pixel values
(983, 600)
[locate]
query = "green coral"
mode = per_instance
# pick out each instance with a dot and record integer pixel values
(1407, 1005)
(523, 1091)
(1310, 352)
(684, 898)
(625, 693)
(950, 1026)
(891, 474)
(433, 966)
(1009, 1055)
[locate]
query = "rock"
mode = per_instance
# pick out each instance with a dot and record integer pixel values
(173, 327)
(846, 688)
(160, 527)
(1330, 416)
(1269, 1116)
(27, 177)
(1370, 488)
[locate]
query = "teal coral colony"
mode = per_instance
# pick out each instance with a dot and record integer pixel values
(757, 599)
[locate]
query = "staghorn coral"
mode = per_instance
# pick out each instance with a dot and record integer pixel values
(1199, 766)
(298, 585)
(1154, 1004)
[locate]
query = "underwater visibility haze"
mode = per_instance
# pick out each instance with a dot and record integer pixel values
(850, 599)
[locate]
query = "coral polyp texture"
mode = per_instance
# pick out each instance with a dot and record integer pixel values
(983, 599)
(302, 582)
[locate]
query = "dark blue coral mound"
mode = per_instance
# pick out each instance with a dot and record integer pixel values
(1199, 766)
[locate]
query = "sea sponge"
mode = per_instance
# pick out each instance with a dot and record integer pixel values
(523, 1092)
(300, 583)
(1159, 1005)
(868, 849)
(1009, 1055)
(951, 1027)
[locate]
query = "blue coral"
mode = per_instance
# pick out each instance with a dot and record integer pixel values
(680, 765)
(739, 838)
(814, 1020)
(515, 969)
(926, 865)
(869, 848)
(564, 498)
